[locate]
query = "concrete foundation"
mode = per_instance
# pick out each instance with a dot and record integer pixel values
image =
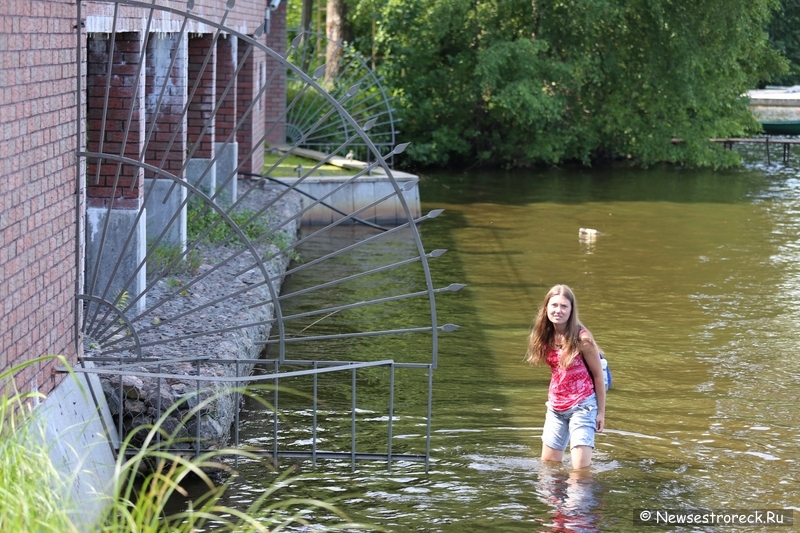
(775, 105)
(202, 174)
(161, 208)
(78, 428)
(361, 192)
(354, 196)
(227, 160)
(114, 275)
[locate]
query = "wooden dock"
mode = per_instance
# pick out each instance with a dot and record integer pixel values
(786, 144)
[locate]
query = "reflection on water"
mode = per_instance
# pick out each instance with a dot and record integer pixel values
(693, 292)
(574, 497)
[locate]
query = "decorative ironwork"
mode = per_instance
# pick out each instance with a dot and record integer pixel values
(370, 105)
(183, 272)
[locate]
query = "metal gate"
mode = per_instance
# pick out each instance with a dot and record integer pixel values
(190, 224)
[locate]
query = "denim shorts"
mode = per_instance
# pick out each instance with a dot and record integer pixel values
(576, 425)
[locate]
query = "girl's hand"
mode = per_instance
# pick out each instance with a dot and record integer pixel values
(601, 422)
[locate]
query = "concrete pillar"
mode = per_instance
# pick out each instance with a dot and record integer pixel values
(165, 100)
(114, 191)
(201, 120)
(227, 151)
(249, 110)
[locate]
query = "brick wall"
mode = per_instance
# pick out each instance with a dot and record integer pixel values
(227, 57)
(202, 85)
(122, 133)
(275, 97)
(39, 185)
(250, 107)
(165, 96)
(38, 109)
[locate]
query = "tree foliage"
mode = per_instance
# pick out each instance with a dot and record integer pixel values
(524, 82)
(784, 37)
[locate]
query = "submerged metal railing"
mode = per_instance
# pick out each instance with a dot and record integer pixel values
(270, 373)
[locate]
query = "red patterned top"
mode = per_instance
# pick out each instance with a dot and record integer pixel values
(570, 386)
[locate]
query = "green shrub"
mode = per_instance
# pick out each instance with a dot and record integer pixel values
(206, 225)
(170, 258)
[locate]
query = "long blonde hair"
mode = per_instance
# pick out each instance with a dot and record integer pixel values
(543, 332)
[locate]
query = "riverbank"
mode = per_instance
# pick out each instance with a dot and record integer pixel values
(207, 318)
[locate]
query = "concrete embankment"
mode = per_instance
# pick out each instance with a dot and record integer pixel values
(220, 298)
(359, 195)
(86, 417)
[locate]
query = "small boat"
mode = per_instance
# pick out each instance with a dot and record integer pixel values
(777, 109)
(781, 127)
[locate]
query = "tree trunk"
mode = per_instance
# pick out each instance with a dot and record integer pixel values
(306, 14)
(338, 31)
(305, 28)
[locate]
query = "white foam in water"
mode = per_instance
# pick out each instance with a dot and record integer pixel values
(632, 434)
(766, 456)
(415, 490)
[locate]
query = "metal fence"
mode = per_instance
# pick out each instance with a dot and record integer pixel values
(189, 423)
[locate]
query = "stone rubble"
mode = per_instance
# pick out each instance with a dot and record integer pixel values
(229, 291)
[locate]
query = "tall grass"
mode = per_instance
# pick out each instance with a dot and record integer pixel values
(140, 501)
(33, 492)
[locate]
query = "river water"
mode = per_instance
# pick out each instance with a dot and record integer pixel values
(693, 293)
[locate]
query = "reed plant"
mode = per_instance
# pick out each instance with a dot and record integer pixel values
(147, 479)
(33, 493)
(151, 476)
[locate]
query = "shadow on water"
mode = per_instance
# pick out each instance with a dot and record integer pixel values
(577, 185)
(693, 292)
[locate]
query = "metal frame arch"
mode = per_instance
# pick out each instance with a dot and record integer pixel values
(208, 203)
(353, 56)
(121, 316)
(186, 340)
(380, 160)
(337, 106)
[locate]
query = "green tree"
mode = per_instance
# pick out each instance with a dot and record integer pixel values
(784, 37)
(518, 83)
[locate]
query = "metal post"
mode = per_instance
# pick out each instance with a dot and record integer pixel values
(237, 398)
(768, 161)
(197, 415)
(430, 414)
(121, 406)
(391, 418)
(314, 422)
(275, 419)
(158, 401)
(353, 424)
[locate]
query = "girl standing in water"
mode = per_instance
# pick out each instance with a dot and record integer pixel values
(576, 401)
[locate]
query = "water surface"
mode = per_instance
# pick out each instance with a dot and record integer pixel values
(693, 293)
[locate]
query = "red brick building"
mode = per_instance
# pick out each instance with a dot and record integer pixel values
(46, 190)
